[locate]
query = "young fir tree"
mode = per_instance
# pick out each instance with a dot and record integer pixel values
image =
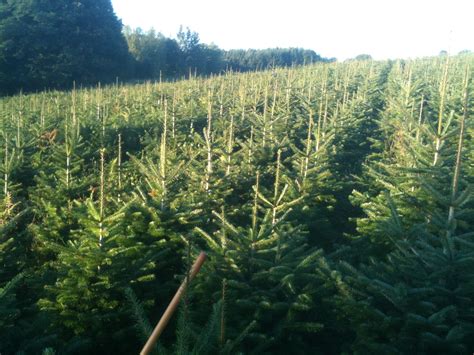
(113, 246)
(9, 312)
(262, 272)
(63, 178)
(190, 337)
(419, 139)
(417, 298)
(17, 276)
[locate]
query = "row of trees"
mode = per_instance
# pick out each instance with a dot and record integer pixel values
(51, 45)
(156, 55)
(334, 202)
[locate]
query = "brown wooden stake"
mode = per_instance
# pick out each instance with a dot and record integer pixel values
(165, 318)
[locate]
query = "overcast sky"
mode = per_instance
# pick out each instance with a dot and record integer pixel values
(333, 28)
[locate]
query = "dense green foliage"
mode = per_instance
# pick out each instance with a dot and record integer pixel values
(157, 56)
(260, 59)
(334, 202)
(51, 44)
(54, 44)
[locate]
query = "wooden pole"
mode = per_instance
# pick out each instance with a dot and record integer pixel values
(165, 318)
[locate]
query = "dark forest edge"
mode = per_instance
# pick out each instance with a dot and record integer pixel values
(51, 45)
(155, 56)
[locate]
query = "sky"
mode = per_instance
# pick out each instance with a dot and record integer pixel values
(332, 28)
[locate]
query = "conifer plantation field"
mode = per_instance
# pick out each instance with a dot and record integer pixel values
(335, 203)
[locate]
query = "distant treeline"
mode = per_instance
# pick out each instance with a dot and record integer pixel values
(155, 55)
(251, 59)
(51, 44)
